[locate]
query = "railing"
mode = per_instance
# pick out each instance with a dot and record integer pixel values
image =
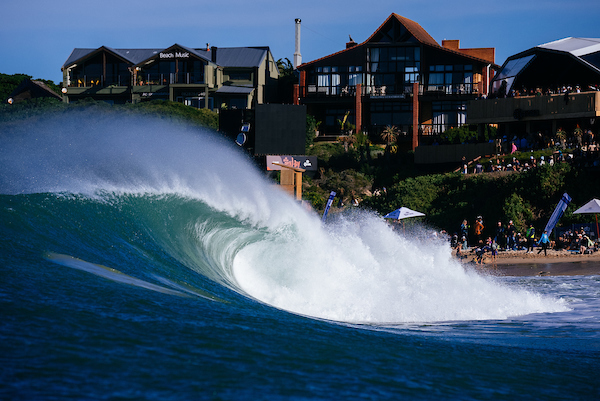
(374, 91)
(84, 81)
(169, 79)
(530, 108)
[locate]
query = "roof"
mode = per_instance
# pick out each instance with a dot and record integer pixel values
(235, 89)
(29, 89)
(240, 56)
(576, 46)
(416, 30)
(226, 56)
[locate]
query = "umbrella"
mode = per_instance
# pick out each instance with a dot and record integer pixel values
(592, 206)
(403, 213)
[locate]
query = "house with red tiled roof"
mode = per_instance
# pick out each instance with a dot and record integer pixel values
(400, 76)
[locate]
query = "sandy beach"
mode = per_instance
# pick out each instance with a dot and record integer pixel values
(556, 263)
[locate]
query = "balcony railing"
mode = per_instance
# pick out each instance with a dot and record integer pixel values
(530, 108)
(169, 79)
(85, 81)
(375, 91)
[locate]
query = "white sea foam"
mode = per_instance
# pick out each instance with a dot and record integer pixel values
(354, 269)
(358, 269)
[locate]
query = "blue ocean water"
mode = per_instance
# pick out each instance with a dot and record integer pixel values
(144, 259)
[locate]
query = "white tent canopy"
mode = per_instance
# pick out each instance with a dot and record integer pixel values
(592, 206)
(403, 213)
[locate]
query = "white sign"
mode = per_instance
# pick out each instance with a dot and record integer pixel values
(175, 55)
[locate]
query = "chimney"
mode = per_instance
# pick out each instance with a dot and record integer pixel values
(351, 43)
(213, 54)
(451, 44)
(208, 47)
(297, 55)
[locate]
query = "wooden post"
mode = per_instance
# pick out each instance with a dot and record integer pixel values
(358, 108)
(415, 113)
(291, 179)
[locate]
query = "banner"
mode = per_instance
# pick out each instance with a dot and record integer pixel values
(309, 163)
(558, 212)
(329, 202)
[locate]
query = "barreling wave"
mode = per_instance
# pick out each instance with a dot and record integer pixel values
(155, 197)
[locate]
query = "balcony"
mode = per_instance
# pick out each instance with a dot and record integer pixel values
(388, 91)
(85, 81)
(534, 108)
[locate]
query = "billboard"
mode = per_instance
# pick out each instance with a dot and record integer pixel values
(308, 163)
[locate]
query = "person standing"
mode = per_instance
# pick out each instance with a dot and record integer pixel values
(464, 232)
(500, 237)
(511, 232)
(479, 229)
(530, 236)
(544, 242)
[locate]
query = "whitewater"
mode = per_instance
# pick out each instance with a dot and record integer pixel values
(354, 269)
(146, 239)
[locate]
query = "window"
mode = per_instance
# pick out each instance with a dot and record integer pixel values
(411, 75)
(451, 79)
(448, 115)
(328, 80)
(354, 75)
(164, 72)
(392, 113)
(240, 76)
(102, 69)
(394, 68)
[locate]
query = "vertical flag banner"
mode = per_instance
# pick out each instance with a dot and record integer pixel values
(558, 212)
(329, 202)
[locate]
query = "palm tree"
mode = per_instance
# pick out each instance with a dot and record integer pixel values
(389, 134)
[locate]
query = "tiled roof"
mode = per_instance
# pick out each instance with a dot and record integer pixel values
(415, 30)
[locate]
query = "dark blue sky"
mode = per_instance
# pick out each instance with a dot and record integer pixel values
(37, 36)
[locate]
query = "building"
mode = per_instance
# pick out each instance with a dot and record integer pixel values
(31, 89)
(210, 77)
(400, 76)
(550, 86)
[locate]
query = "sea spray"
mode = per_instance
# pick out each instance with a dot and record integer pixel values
(355, 268)
(358, 269)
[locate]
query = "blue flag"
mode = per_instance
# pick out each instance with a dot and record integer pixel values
(329, 202)
(558, 212)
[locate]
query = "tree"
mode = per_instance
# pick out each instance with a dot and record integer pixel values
(389, 134)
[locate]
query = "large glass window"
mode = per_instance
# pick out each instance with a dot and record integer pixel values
(448, 115)
(509, 72)
(328, 80)
(392, 70)
(164, 72)
(392, 113)
(102, 69)
(451, 78)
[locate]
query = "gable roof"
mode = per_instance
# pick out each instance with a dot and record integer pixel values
(30, 89)
(417, 32)
(225, 56)
(414, 28)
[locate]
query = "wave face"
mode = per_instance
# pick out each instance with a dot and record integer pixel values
(169, 200)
